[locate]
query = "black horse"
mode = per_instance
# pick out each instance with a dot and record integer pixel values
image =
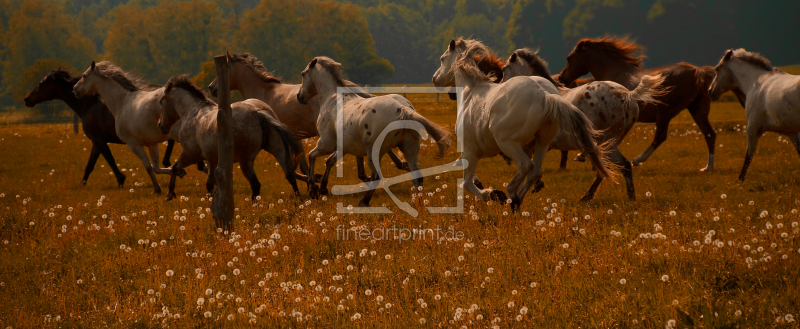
(97, 121)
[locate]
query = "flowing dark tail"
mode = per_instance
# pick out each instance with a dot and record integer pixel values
(581, 133)
(290, 143)
(439, 134)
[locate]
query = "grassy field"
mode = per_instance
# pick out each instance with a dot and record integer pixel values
(695, 248)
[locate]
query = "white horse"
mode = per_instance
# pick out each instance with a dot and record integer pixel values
(611, 107)
(364, 120)
(772, 97)
(518, 117)
(135, 107)
(257, 128)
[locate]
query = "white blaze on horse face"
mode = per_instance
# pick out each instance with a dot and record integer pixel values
(445, 76)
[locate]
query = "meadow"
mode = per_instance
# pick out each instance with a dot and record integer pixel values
(694, 250)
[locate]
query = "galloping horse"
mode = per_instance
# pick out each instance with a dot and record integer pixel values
(771, 96)
(612, 59)
(249, 76)
(97, 122)
(134, 105)
(518, 117)
(257, 129)
(612, 108)
(365, 119)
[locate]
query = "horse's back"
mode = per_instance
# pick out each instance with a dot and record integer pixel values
(779, 100)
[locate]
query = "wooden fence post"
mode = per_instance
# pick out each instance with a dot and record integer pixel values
(75, 122)
(222, 202)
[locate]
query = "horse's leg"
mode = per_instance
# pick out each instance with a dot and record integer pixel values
(106, 152)
(796, 141)
(154, 158)
(699, 110)
(400, 164)
(753, 134)
(319, 150)
(374, 178)
(362, 174)
(469, 180)
(247, 170)
(662, 130)
(626, 168)
(90, 165)
(210, 182)
(580, 157)
(168, 153)
(410, 148)
(140, 153)
(201, 166)
(182, 161)
(329, 163)
(519, 184)
(564, 156)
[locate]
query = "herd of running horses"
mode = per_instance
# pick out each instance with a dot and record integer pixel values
(513, 107)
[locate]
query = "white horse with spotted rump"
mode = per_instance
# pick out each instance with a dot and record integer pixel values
(772, 97)
(363, 123)
(518, 117)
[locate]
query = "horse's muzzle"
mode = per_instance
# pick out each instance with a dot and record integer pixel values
(301, 100)
(163, 129)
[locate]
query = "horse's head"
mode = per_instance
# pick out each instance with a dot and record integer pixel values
(724, 80)
(308, 89)
(576, 63)
(169, 115)
(51, 87)
(87, 85)
(515, 67)
(445, 76)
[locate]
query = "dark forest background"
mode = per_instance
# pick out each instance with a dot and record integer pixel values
(377, 41)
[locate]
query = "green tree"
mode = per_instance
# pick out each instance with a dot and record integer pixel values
(402, 36)
(40, 30)
(165, 40)
(285, 35)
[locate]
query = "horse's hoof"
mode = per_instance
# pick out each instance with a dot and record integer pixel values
(323, 191)
(497, 195)
(587, 198)
(363, 203)
(478, 184)
(157, 192)
(515, 205)
(317, 178)
(313, 191)
(707, 169)
(83, 183)
(631, 197)
(120, 181)
(404, 166)
(636, 163)
(170, 196)
(579, 159)
(537, 186)
(364, 179)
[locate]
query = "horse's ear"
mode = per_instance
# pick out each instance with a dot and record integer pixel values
(728, 55)
(92, 67)
(452, 44)
(581, 44)
(313, 63)
(513, 58)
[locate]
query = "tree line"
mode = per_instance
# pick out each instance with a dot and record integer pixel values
(377, 41)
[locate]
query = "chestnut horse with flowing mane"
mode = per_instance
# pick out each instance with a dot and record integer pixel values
(614, 60)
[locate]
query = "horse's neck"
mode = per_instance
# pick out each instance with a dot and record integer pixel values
(609, 69)
(326, 92)
(113, 95)
(190, 108)
(258, 89)
(78, 105)
(748, 77)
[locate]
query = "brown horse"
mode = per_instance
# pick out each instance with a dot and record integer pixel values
(251, 78)
(613, 59)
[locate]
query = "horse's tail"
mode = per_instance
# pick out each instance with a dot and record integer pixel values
(646, 92)
(439, 133)
(580, 132)
(291, 145)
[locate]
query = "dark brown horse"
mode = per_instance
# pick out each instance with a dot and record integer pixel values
(96, 119)
(614, 60)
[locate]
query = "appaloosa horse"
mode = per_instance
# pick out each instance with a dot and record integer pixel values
(97, 122)
(613, 59)
(249, 76)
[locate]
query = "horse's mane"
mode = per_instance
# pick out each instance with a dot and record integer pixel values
(622, 49)
(753, 58)
(490, 64)
(257, 66)
(183, 82)
(335, 70)
(63, 75)
(127, 80)
(538, 65)
(468, 62)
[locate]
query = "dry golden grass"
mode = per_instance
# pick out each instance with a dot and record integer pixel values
(696, 247)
